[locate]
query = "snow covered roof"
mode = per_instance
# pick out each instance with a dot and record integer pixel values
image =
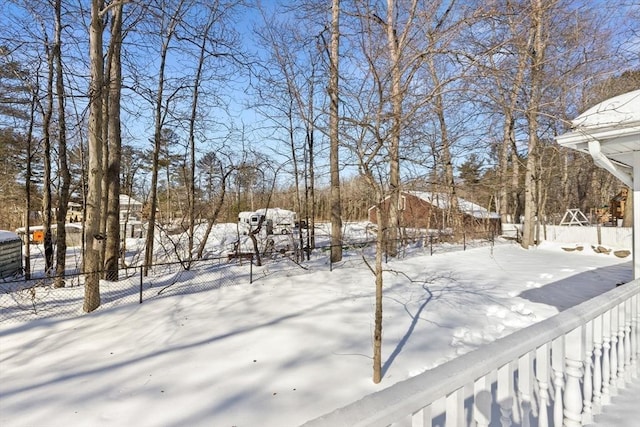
(610, 133)
(275, 212)
(128, 201)
(441, 200)
(618, 111)
(8, 236)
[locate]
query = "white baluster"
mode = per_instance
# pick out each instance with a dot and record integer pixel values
(482, 402)
(628, 320)
(557, 365)
(455, 409)
(635, 335)
(542, 375)
(422, 418)
(621, 350)
(572, 392)
(587, 383)
(505, 394)
(606, 358)
(525, 387)
(613, 381)
(597, 365)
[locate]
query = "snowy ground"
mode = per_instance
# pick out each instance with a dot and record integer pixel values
(286, 348)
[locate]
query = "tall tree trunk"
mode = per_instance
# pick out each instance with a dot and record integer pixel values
(63, 167)
(310, 195)
(157, 140)
(192, 145)
(515, 181)
(377, 331)
(536, 54)
(453, 217)
(508, 129)
(27, 179)
(104, 201)
(46, 190)
(296, 177)
(334, 165)
(92, 238)
(381, 245)
(503, 163)
(112, 229)
(394, 134)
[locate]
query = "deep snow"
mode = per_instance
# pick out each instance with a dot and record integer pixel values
(282, 350)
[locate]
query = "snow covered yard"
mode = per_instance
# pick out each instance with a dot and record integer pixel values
(284, 349)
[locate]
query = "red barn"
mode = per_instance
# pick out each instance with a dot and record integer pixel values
(426, 210)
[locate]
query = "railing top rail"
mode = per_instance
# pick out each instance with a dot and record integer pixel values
(406, 397)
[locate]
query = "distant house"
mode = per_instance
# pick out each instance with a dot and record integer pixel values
(130, 209)
(427, 210)
(74, 212)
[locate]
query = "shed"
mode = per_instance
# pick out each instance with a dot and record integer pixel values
(36, 234)
(10, 254)
(427, 210)
(610, 133)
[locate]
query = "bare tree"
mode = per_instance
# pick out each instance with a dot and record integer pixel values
(334, 163)
(168, 33)
(47, 204)
(114, 142)
(92, 238)
(214, 169)
(192, 138)
(286, 98)
(63, 168)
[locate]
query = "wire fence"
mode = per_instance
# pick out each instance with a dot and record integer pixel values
(38, 298)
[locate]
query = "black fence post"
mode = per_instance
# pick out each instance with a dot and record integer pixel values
(251, 270)
(330, 258)
(431, 245)
(141, 284)
(464, 240)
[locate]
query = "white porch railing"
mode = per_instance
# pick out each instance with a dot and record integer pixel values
(560, 371)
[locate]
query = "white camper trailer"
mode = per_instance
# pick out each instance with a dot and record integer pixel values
(274, 220)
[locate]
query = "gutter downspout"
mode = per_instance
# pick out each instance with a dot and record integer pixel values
(602, 161)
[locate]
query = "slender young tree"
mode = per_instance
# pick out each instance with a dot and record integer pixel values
(334, 164)
(214, 169)
(28, 176)
(532, 110)
(168, 34)
(197, 80)
(47, 203)
(63, 167)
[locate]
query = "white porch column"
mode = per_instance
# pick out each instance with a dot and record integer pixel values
(636, 214)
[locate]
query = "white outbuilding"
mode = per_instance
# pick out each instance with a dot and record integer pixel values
(10, 254)
(610, 133)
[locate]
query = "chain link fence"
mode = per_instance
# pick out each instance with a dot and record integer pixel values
(38, 298)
